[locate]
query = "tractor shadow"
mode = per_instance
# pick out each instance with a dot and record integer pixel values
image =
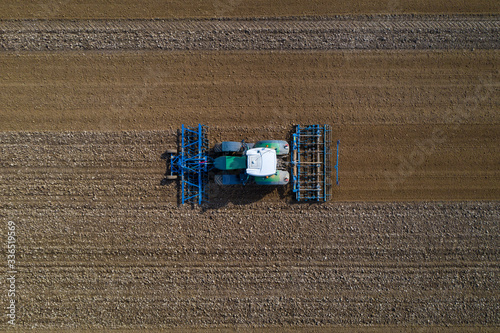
(223, 195)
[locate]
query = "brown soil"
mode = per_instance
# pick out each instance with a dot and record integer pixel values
(412, 125)
(116, 262)
(110, 9)
(101, 244)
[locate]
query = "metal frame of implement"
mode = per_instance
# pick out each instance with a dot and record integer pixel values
(192, 164)
(311, 161)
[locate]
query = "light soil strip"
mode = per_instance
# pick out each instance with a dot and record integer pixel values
(422, 32)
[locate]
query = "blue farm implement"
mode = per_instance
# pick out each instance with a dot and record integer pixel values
(191, 164)
(311, 161)
(268, 162)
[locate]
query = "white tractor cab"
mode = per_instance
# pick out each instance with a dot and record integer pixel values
(261, 162)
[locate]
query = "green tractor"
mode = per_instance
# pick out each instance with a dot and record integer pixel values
(242, 163)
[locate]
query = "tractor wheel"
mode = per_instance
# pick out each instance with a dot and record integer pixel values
(218, 148)
(282, 147)
(171, 177)
(218, 179)
(228, 147)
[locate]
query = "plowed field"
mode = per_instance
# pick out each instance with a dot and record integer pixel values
(412, 125)
(410, 239)
(175, 9)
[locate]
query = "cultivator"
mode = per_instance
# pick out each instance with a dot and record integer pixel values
(192, 164)
(262, 163)
(312, 163)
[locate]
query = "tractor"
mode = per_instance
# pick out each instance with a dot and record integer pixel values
(308, 159)
(258, 163)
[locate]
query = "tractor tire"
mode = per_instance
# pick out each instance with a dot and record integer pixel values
(218, 179)
(282, 147)
(171, 177)
(218, 148)
(281, 177)
(228, 147)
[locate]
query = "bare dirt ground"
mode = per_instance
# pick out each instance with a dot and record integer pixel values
(410, 240)
(110, 9)
(412, 125)
(140, 262)
(381, 32)
(149, 9)
(102, 244)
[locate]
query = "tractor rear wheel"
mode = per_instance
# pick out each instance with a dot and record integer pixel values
(218, 148)
(228, 147)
